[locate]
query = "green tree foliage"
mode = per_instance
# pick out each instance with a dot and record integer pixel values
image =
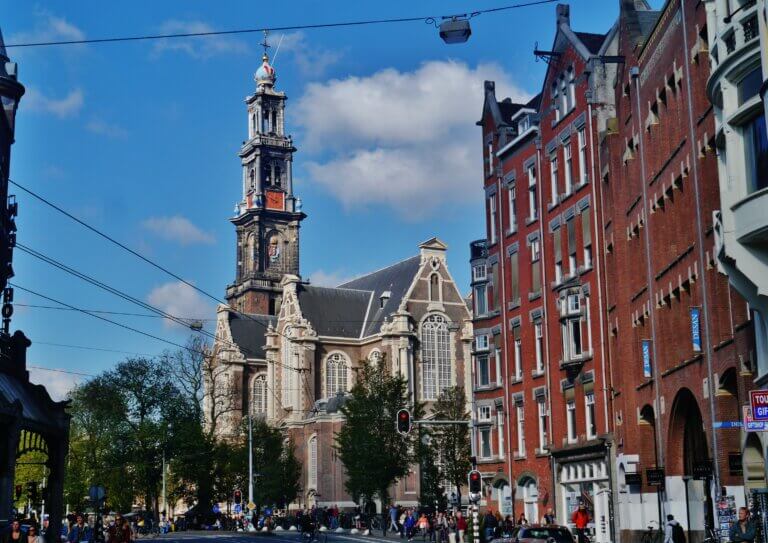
(374, 454)
(450, 443)
(274, 462)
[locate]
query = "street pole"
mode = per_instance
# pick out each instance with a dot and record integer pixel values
(250, 459)
(165, 499)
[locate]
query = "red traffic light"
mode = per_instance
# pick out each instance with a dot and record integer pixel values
(403, 421)
(238, 496)
(475, 481)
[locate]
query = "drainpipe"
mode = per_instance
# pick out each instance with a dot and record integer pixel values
(702, 267)
(635, 74)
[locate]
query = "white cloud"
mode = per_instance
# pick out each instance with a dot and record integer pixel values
(178, 229)
(406, 140)
(201, 47)
(67, 106)
(104, 128)
(48, 27)
(312, 61)
(57, 383)
(180, 300)
(322, 278)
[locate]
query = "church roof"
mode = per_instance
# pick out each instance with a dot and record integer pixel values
(591, 41)
(338, 312)
(395, 279)
(249, 332)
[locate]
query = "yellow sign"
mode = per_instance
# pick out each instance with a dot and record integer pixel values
(251, 506)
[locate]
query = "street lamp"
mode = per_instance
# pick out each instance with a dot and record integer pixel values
(455, 29)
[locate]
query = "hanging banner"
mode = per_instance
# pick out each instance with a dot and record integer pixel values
(647, 358)
(696, 329)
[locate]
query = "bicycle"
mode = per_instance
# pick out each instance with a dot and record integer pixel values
(710, 536)
(653, 535)
(374, 523)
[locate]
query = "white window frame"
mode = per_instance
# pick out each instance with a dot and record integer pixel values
(572, 87)
(520, 412)
(572, 264)
(556, 101)
(336, 374)
(538, 329)
(479, 272)
(532, 204)
(574, 304)
(542, 416)
(481, 360)
(558, 272)
(512, 197)
(568, 160)
(589, 409)
(564, 98)
(518, 347)
(553, 177)
(570, 409)
(582, 140)
(498, 367)
(490, 158)
(500, 430)
(575, 350)
(484, 437)
(481, 342)
(481, 297)
(492, 218)
(535, 250)
(436, 359)
(484, 413)
(259, 401)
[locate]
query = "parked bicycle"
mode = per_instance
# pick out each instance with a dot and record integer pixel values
(653, 534)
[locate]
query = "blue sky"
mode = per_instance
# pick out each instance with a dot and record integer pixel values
(140, 139)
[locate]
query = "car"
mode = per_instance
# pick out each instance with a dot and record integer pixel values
(536, 533)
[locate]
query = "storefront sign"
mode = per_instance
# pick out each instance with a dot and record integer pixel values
(727, 424)
(654, 476)
(750, 424)
(647, 358)
(702, 469)
(696, 329)
(633, 479)
(758, 399)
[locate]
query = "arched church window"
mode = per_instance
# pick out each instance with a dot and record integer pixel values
(265, 122)
(253, 179)
(250, 253)
(434, 288)
(267, 176)
(254, 127)
(375, 357)
(335, 374)
(278, 181)
(273, 250)
(435, 356)
(274, 121)
(259, 395)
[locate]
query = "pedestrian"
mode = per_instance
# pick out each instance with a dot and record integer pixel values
(580, 519)
(409, 525)
(393, 518)
(80, 531)
(46, 532)
(490, 524)
(744, 530)
(14, 535)
(461, 527)
(508, 528)
(521, 520)
(549, 517)
(33, 536)
(673, 531)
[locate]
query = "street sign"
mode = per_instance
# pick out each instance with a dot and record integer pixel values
(696, 329)
(726, 424)
(216, 508)
(751, 425)
(646, 350)
(654, 476)
(758, 399)
(238, 508)
(251, 506)
(96, 493)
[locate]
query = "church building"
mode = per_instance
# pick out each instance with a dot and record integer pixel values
(291, 349)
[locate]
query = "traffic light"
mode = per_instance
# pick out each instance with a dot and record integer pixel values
(403, 421)
(19, 490)
(238, 497)
(475, 482)
(32, 491)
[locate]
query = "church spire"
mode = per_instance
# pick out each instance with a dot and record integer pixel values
(265, 75)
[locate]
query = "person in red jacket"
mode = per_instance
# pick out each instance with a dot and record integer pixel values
(580, 519)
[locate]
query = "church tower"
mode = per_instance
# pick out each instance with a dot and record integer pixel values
(268, 216)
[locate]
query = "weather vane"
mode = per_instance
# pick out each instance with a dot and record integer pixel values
(265, 43)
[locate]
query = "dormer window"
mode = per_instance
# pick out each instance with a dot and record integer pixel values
(524, 124)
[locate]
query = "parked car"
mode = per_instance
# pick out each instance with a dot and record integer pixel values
(537, 533)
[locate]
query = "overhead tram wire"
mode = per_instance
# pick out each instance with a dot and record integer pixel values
(340, 24)
(105, 312)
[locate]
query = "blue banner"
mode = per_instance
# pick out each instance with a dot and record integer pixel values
(647, 358)
(696, 329)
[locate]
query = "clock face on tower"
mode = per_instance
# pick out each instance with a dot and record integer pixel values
(275, 200)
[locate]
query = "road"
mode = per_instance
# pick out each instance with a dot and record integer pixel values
(278, 537)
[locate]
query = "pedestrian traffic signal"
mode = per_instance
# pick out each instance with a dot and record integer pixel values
(403, 421)
(238, 497)
(475, 482)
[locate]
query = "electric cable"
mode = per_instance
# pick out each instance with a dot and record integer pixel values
(364, 22)
(106, 312)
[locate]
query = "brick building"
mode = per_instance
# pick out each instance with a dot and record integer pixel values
(647, 350)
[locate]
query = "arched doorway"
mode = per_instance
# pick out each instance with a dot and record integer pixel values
(31, 475)
(754, 463)
(528, 491)
(688, 499)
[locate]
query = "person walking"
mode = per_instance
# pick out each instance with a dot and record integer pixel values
(461, 527)
(33, 536)
(409, 525)
(743, 530)
(549, 517)
(393, 526)
(489, 525)
(80, 531)
(580, 519)
(673, 531)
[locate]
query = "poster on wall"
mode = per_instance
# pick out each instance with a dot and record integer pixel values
(696, 329)
(646, 358)
(726, 515)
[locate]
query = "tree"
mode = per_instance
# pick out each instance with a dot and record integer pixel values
(451, 442)
(374, 454)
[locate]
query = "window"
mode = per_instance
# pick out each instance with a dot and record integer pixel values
(481, 343)
(542, 407)
(553, 180)
(749, 85)
(481, 300)
(568, 168)
(512, 209)
(490, 159)
(558, 247)
(523, 124)
(335, 374)
(479, 272)
(572, 264)
(259, 395)
(589, 401)
(518, 346)
(520, 430)
(586, 235)
(375, 357)
(492, 218)
(483, 371)
(514, 269)
(571, 329)
(535, 266)
(532, 210)
(539, 346)
(312, 463)
(571, 88)
(288, 370)
(485, 442)
(556, 101)
(436, 356)
(564, 98)
(434, 288)
(497, 354)
(496, 289)
(582, 137)
(756, 148)
(484, 413)
(500, 430)
(570, 407)
(574, 303)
